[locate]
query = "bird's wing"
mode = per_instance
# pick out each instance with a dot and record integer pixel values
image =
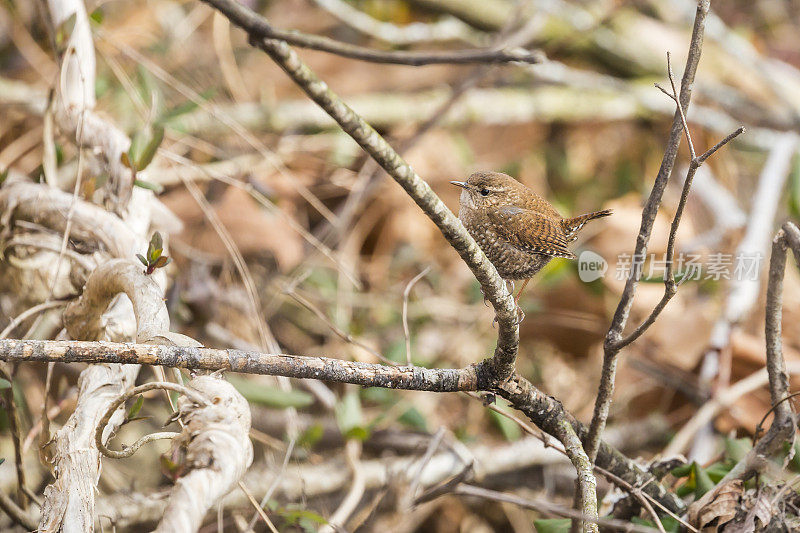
(530, 231)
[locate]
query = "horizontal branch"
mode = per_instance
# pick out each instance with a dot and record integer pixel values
(293, 366)
(543, 410)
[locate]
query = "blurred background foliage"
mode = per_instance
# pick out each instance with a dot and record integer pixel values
(586, 131)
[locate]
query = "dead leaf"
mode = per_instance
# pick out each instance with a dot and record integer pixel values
(720, 504)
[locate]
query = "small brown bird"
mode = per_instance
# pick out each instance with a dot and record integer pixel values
(518, 230)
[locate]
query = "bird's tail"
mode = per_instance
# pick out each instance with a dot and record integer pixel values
(573, 225)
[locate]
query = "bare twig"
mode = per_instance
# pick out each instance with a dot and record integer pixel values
(783, 425)
(275, 481)
(754, 246)
(302, 300)
(637, 492)
(296, 366)
(259, 511)
(12, 413)
(550, 508)
(127, 395)
(17, 320)
(620, 319)
(406, 293)
(265, 31)
(350, 502)
(433, 445)
(16, 514)
(77, 461)
(213, 451)
(586, 482)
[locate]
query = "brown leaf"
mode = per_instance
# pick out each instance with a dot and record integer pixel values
(720, 504)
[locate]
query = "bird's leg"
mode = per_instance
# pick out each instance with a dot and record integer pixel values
(516, 300)
(520, 312)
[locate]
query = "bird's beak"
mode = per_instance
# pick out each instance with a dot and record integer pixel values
(460, 183)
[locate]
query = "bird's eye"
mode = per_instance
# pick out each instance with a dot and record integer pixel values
(484, 192)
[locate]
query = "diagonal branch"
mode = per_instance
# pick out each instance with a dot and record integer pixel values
(501, 365)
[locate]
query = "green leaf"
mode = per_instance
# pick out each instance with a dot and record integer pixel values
(717, 471)
(2, 460)
(65, 29)
(270, 396)
(510, 430)
(162, 261)
(136, 407)
(349, 417)
(97, 16)
(794, 188)
(155, 187)
(552, 525)
(795, 462)
(736, 449)
(156, 242)
(142, 259)
(4, 384)
(703, 483)
(150, 148)
(311, 436)
(681, 471)
(413, 418)
(155, 248)
(294, 516)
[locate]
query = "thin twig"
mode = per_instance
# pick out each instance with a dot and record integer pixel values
(783, 427)
(16, 514)
(548, 507)
(670, 285)
(276, 479)
(351, 500)
(263, 30)
(258, 508)
(406, 293)
(620, 319)
(13, 427)
(630, 488)
(302, 300)
(17, 320)
(433, 445)
(130, 450)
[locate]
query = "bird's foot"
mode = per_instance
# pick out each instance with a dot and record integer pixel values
(485, 298)
(520, 315)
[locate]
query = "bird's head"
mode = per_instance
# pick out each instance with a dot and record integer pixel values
(488, 189)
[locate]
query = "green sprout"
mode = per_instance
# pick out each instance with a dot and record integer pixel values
(154, 258)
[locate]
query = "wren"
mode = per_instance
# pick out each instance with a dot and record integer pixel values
(518, 230)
